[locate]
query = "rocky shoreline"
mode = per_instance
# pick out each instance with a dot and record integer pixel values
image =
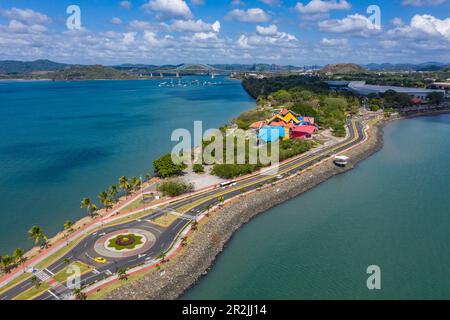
(216, 231)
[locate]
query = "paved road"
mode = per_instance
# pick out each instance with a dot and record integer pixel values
(189, 207)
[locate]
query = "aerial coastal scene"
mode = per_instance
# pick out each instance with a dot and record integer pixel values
(249, 150)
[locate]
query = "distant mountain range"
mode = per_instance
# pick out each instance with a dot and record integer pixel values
(47, 68)
(426, 66)
(22, 67)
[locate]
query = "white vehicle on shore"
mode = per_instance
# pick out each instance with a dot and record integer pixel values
(341, 161)
(228, 184)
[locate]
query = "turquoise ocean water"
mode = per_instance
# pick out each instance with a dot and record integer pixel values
(393, 211)
(62, 141)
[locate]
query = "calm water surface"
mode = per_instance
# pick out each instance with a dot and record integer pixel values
(62, 141)
(393, 211)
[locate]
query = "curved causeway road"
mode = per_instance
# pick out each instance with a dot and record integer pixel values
(162, 239)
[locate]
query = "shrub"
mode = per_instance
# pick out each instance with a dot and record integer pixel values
(175, 187)
(198, 168)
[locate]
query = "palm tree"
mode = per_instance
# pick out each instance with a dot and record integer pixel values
(112, 191)
(105, 199)
(6, 263)
(221, 200)
(86, 203)
(36, 234)
(122, 274)
(18, 256)
(135, 183)
(194, 225)
(79, 295)
(93, 210)
(162, 256)
(208, 207)
(66, 261)
(124, 184)
(68, 225)
(35, 282)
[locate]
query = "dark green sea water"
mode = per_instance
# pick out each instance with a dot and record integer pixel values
(62, 141)
(393, 211)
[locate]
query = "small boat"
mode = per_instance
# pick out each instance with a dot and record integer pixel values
(341, 161)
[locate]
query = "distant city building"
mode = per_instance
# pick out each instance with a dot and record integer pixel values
(362, 88)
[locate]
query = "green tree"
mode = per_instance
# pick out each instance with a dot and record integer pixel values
(435, 97)
(37, 235)
(162, 256)
(122, 274)
(112, 191)
(105, 199)
(79, 294)
(18, 255)
(124, 184)
(90, 207)
(6, 263)
(68, 225)
(35, 282)
(165, 167)
(135, 183)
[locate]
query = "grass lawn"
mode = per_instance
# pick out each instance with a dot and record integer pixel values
(33, 292)
(62, 276)
(19, 279)
(165, 220)
(136, 204)
(46, 262)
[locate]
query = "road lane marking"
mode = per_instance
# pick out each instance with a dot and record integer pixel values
(50, 291)
(49, 271)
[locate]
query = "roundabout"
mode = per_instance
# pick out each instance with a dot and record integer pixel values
(125, 243)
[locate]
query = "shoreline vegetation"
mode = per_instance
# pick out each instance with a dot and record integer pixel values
(308, 98)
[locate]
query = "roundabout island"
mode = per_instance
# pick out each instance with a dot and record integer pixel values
(125, 243)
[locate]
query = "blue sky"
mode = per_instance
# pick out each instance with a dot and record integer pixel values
(227, 31)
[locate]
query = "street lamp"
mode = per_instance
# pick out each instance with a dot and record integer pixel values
(142, 190)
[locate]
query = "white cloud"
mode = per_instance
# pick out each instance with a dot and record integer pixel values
(267, 31)
(140, 25)
(252, 15)
(125, 4)
(193, 26)
(397, 22)
(129, 38)
(268, 37)
(424, 27)
(321, 6)
(236, 3)
(16, 26)
(27, 16)
(422, 3)
(355, 23)
(116, 21)
(169, 8)
(205, 36)
(272, 3)
(333, 42)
